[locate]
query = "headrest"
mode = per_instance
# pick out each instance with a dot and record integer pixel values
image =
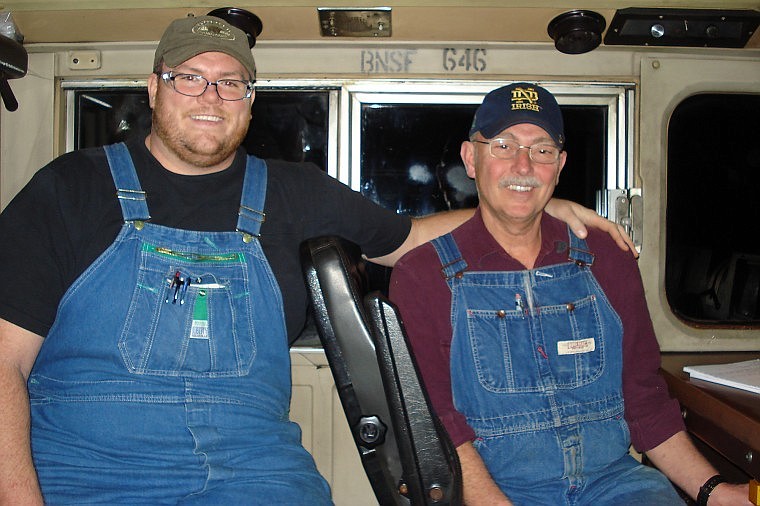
(14, 62)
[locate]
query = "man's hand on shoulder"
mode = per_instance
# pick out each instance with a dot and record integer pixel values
(578, 217)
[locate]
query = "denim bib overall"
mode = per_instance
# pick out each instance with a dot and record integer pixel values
(166, 376)
(536, 368)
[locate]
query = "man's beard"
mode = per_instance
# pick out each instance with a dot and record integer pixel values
(186, 149)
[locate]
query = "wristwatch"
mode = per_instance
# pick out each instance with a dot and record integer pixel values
(706, 489)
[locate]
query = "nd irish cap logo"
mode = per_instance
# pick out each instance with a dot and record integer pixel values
(525, 99)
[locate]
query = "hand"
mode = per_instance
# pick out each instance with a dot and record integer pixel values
(729, 494)
(477, 485)
(578, 217)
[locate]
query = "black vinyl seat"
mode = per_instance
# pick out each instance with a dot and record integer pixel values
(407, 455)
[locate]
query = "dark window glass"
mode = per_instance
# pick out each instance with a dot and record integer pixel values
(410, 156)
(712, 273)
(110, 115)
(289, 125)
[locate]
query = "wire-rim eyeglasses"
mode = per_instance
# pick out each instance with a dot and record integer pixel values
(194, 85)
(505, 149)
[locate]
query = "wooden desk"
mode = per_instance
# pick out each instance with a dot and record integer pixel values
(726, 419)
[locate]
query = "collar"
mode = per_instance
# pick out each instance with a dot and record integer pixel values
(477, 243)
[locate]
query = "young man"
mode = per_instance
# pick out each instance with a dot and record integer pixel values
(151, 291)
(535, 345)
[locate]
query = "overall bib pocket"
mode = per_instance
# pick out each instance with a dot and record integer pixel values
(189, 316)
(510, 348)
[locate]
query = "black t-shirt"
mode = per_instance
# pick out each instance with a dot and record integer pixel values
(68, 215)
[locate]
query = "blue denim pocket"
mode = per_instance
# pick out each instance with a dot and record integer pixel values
(502, 351)
(560, 346)
(190, 315)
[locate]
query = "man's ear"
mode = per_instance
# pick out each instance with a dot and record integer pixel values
(152, 89)
(467, 152)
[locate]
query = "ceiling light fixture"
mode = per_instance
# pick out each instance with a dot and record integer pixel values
(577, 31)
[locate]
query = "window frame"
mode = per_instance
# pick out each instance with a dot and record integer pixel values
(666, 81)
(617, 97)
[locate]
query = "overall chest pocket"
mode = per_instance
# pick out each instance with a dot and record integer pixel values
(559, 346)
(190, 315)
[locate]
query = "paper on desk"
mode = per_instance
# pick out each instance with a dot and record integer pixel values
(743, 375)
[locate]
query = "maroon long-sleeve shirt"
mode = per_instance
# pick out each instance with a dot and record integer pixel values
(420, 291)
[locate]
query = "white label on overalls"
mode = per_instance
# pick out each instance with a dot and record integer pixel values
(574, 347)
(199, 329)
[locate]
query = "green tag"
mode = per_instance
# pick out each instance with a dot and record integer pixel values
(199, 328)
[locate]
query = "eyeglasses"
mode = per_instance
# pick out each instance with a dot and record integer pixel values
(505, 150)
(194, 85)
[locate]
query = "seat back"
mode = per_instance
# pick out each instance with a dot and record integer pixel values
(408, 457)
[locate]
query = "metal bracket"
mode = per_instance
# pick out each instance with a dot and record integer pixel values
(626, 208)
(83, 60)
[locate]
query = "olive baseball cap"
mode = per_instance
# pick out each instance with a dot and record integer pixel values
(519, 103)
(188, 37)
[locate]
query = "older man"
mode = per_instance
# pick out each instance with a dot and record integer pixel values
(536, 345)
(150, 291)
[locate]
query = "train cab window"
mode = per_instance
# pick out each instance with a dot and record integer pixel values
(406, 142)
(712, 245)
(286, 124)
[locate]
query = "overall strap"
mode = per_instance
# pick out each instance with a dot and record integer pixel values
(131, 197)
(578, 251)
(452, 262)
(251, 214)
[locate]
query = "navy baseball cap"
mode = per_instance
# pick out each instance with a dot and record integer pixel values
(519, 103)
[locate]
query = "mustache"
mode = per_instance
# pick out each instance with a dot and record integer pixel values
(519, 181)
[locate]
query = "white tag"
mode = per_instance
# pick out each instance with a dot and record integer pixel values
(199, 329)
(574, 347)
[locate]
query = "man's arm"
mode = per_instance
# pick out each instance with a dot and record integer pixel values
(426, 229)
(575, 215)
(479, 487)
(18, 479)
(681, 462)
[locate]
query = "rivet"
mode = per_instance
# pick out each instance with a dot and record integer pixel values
(501, 313)
(459, 275)
(748, 457)
(139, 225)
(435, 493)
(247, 238)
(570, 306)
